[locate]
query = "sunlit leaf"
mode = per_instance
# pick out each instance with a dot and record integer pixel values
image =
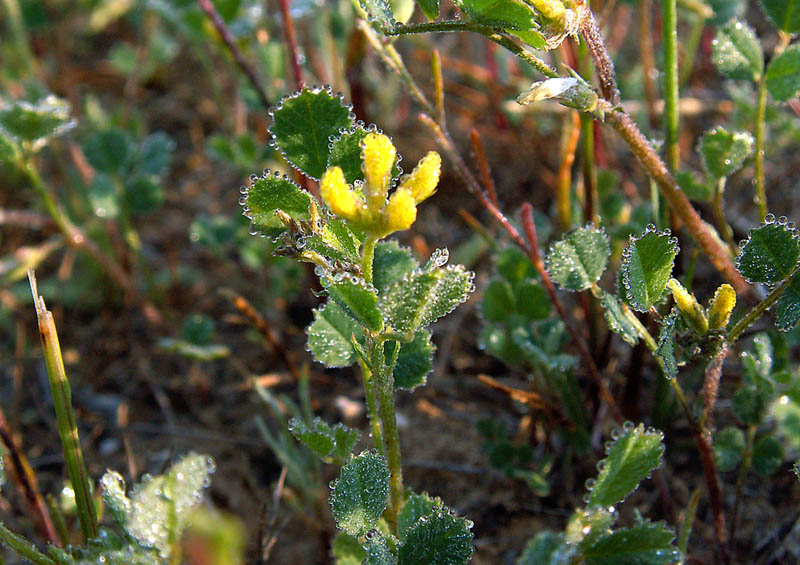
(646, 267)
(360, 494)
(770, 253)
(737, 52)
(578, 260)
(783, 74)
(725, 152)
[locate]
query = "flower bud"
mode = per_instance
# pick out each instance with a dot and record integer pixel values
(719, 313)
(690, 309)
(423, 180)
(378, 154)
(400, 212)
(337, 194)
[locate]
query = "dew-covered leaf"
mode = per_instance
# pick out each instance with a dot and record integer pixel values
(391, 264)
(646, 543)
(430, 8)
(360, 494)
(783, 74)
(767, 456)
(437, 537)
(547, 548)
(303, 124)
(379, 11)
(332, 443)
(272, 192)
(33, 124)
(646, 267)
(666, 345)
(336, 241)
(770, 253)
(160, 507)
(414, 361)
(347, 550)
(578, 260)
(725, 152)
(421, 298)
(630, 458)
(787, 311)
(737, 52)
(513, 15)
(417, 506)
(109, 151)
(785, 14)
(618, 322)
(377, 550)
(357, 299)
(345, 152)
(729, 445)
(330, 336)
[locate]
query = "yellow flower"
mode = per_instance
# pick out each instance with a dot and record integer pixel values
(338, 195)
(550, 9)
(690, 309)
(400, 212)
(378, 154)
(721, 307)
(423, 180)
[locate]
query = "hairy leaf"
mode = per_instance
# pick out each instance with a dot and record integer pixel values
(272, 192)
(330, 336)
(643, 544)
(783, 74)
(578, 260)
(437, 538)
(417, 506)
(378, 10)
(725, 10)
(630, 458)
(787, 312)
(767, 456)
(547, 548)
(336, 241)
(770, 253)
(360, 494)
(347, 550)
(666, 345)
(332, 443)
(391, 264)
(354, 297)
(725, 152)
(617, 321)
(378, 551)
(737, 52)
(303, 125)
(414, 361)
(646, 267)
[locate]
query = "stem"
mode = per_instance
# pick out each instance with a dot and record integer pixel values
(711, 385)
(368, 258)
(761, 112)
(23, 547)
(669, 31)
(744, 468)
(65, 417)
(602, 59)
(703, 440)
(688, 521)
(589, 169)
(757, 310)
(648, 60)
(291, 42)
(372, 407)
(718, 208)
(569, 146)
(691, 47)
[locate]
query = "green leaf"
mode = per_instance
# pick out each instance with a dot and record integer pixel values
(109, 151)
(378, 11)
(783, 74)
(417, 506)
(498, 301)
(104, 197)
(391, 263)
(724, 152)
(646, 267)
(695, 189)
(770, 253)
(303, 125)
(618, 322)
(34, 124)
(437, 538)
(578, 260)
(725, 10)
(330, 336)
(750, 404)
(430, 8)
(354, 297)
(767, 456)
(143, 195)
(514, 266)
(787, 312)
(336, 241)
(729, 444)
(272, 192)
(359, 496)
(345, 153)
(155, 154)
(737, 52)
(513, 15)
(546, 548)
(378, 551)
(332, 443)
(785, 14)
(643, 544)
(414, 361)
(421, 298)
(347, 550)
(532, 302)
(666, 345)
(630, 458)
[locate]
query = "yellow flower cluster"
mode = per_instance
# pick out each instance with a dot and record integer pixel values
(719, 311)
(375, 211)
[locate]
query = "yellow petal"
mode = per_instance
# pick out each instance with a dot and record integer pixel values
(550, 9)
(378, 155)
(721, 307)
(337, 194)
(425, 176)
(690, 309)
(400, 212)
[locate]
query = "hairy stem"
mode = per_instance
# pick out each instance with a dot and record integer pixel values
(758, 310)
(372, 407)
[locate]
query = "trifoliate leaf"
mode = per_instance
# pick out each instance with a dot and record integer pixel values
(332, 443)
(414, 361)
(514, 266)
(646, 267)
(34, 124)
(437, 537)
(737, 52)
(330, 336)
(729, 445)
(578, 260)
(767, 456)
(785, 14)
(272, 192)
(143, 195)
(154, 154)
(770, 253)
(783, 74)
(617, 320)
(630, 458)
(725, 152)
(360, 494)
(531, 301)
(643, 544)
(304, 124)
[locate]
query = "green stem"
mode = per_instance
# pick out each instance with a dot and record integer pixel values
(759, 309)
(367, 258)
(691, 47)
(65, 417)
(372, 407)
(719, 215)
(23, 547)
(744, 468)
(669, 32)
(761, 112)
